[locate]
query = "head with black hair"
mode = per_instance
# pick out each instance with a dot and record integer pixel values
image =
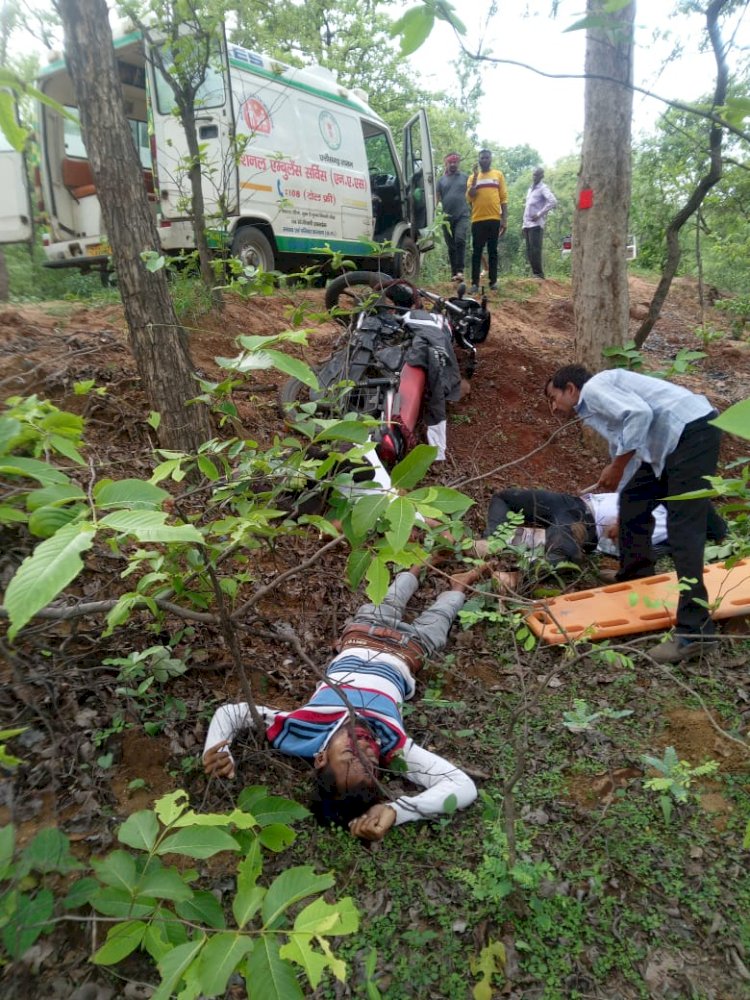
(345, 775)
(563, 389)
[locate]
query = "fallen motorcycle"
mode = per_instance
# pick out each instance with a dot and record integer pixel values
(396, 361)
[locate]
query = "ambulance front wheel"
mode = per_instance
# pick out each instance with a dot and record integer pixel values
(407, 262)
(253, 248)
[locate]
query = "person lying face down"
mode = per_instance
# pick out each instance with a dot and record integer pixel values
(352, 728)
(568, 526)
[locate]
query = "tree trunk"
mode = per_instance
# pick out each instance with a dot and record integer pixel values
(600, 277)
(197, 201)
(158, 342)
(712, 177)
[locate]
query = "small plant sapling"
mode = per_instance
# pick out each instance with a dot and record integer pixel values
(674, 778)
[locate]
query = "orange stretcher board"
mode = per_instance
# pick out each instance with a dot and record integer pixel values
(646, 605)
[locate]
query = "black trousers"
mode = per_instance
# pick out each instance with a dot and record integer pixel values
(694, 457)
(484, 233)
(556, 512)
(455, 240)
(534, 236)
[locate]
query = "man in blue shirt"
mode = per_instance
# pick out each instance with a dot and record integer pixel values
(451, 194)
(661, 444)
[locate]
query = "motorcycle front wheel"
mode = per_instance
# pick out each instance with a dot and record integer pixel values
(349, 293)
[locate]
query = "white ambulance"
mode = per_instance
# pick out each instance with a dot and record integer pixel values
(293, 163)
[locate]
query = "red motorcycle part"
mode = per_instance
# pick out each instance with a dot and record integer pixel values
(411, 393)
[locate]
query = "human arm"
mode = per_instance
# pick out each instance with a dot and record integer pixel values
(440, 780)
(502, 190)
(612, 474)
(549, 202)
(471, 188)
(227, 721)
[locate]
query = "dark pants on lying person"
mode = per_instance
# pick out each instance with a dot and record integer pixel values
(569, 524)
(694, 457)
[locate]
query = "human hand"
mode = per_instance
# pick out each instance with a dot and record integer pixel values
(609, 478)
(503, 227)
(375, 823)
(218, 762)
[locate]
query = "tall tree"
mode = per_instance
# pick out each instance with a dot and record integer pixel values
(710, 178)
(158, 342)
(600, 222)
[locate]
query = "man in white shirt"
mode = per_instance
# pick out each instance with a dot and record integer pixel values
(352, 726)
(661, 444)
(539, 203)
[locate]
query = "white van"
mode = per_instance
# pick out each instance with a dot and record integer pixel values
(293, 162)
(15, 209)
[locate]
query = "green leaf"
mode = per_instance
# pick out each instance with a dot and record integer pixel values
(45, 521)
(148, 526)
(491, 961)
(122, 939)
(198, 842)
(175, 964)
(121, 903)
(299, 950)
(333, 919)
(139, 830)
(443, 498)
(220, 958)
(133, 494)
(289, 887)
(346, 430)
(7, 847)
(262, 360)
(15, 134)
(411, 470)
(51, 496)
(66, 447)
(10, 515)
(208, 468)
(277, 837)
(378, 579)
(165, 883)
(734, 420)
(203, 908)
(268, 976)
(49, 851)
(366, 512)
(47, 571)
(32, 468)
(267, 809)
(80, 893)
(400, 516)
(356, 566)
(249, 895)
(171, 806)
(414, 27)
(29, 919)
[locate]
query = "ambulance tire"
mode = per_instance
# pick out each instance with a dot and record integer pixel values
(349, 291)
(406, 264)
(253, 248)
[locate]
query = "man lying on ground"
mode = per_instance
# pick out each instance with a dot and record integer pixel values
(352, 726)
(568, 526)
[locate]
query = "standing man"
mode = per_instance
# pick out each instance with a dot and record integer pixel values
(451, 194)
(539, 203)
(488, 196)
(661, 445)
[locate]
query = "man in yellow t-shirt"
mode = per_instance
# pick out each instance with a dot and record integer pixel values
(487, 194)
